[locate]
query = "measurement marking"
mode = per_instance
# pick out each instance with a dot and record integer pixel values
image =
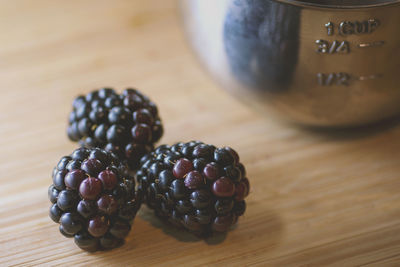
(334, 47)
(370, 77)
(343, 78)
(372, 44)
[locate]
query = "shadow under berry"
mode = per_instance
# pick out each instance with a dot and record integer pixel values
(178, 233)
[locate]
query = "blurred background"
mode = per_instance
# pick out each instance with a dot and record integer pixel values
(52, 51)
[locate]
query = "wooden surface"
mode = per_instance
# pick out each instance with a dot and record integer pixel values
(317, 198)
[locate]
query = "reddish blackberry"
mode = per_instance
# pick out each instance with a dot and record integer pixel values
(93, 198)
(195, 186)
(127, 125)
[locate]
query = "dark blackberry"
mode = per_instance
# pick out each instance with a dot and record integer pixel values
(53, 194)
(94, 201)
(127, 125)
(195, 186)
(199, 164)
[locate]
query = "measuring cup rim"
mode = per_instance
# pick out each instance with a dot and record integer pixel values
(348, 5)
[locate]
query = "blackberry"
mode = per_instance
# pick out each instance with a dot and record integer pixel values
(195, 186)
(94, 201)
(127, 125)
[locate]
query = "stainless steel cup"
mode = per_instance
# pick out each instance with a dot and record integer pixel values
(320, 63)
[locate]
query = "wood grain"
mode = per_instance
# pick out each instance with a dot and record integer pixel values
(318, 198)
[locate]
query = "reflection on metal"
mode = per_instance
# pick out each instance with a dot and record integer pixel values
(281, 55)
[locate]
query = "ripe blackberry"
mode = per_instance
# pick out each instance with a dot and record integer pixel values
(195, 186)
(93, 198)
(127, 125)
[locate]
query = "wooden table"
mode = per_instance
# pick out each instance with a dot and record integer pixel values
(317, 198)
